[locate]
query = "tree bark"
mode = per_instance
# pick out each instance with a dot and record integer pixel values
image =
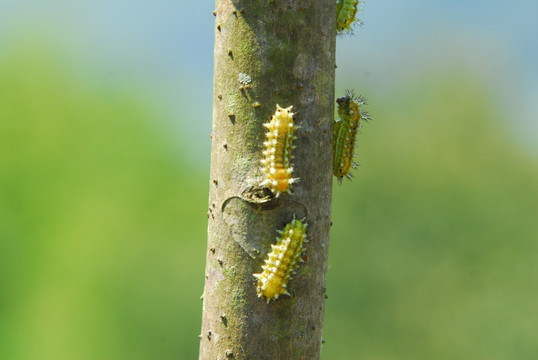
(268, 52)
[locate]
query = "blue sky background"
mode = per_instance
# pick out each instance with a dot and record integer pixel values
(165, 48)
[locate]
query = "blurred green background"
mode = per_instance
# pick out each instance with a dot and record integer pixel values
(105, 112)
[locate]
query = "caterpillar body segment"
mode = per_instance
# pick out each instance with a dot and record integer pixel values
(346, 12)
(282, 261)
(277, 162)
(345, 131)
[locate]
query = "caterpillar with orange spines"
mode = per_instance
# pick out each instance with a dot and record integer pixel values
(345, 130)
(282, 261)
(277, 162)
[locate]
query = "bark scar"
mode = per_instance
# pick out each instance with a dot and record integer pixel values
(261, 211)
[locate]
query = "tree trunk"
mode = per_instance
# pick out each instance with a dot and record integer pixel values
(268, 52)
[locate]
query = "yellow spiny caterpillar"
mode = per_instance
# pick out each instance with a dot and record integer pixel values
(346, 10)
(277, 163)
(344, 133)
(281, 262)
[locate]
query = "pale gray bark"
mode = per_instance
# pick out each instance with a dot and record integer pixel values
(287, 50)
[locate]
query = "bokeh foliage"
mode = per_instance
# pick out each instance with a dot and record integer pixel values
(102, 226)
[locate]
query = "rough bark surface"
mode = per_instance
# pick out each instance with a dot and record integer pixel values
(267, 53)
